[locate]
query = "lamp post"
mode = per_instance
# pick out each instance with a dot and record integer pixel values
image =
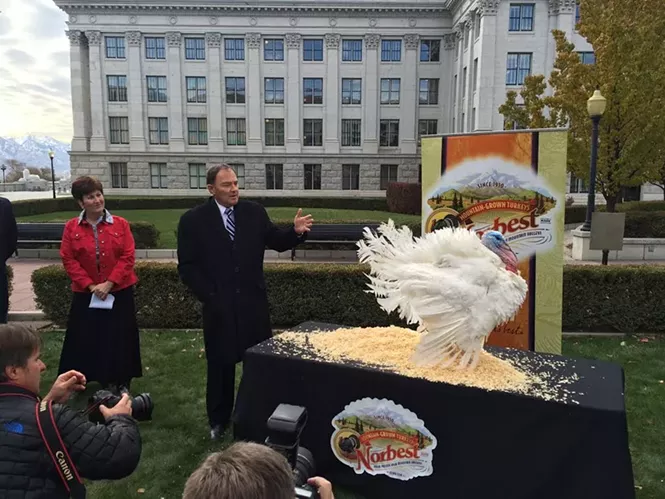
(595, 107)
(51, 155)
(3, 168)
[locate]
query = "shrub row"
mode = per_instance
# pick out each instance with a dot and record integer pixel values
(41, 206)
(146, 235)
(404, 198)
(624, 299)
(9, 271)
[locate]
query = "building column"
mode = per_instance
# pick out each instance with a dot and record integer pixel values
(293, 88)
(459, 100)
(214, 91)
(331, 82)
(561, 17)
(98, 114)
(410, 92)
(371, 97)
(255, 103)
(468, 26)
(447, 81)
(487, 107)
(177, 117)
(135, 93)
(79, 83)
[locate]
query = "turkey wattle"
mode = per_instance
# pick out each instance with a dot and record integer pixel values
(456, 286)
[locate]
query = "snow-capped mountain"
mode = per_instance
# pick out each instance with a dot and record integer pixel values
(33, 151)
(495, 178)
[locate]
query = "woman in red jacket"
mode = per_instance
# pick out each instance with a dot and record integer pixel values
(97, 250)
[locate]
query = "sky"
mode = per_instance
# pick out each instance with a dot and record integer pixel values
(35, 92)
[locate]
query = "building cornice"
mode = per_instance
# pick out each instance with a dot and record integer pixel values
(241, 7)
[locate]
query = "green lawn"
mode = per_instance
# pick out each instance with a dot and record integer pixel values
(166, 221)
(177, 440)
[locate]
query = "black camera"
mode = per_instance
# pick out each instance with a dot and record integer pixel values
(284, 429)
(142, 405)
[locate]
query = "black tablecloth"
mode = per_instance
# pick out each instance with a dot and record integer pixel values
(489, 444)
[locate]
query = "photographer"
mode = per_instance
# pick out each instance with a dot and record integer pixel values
(247, 471)
(97, 451)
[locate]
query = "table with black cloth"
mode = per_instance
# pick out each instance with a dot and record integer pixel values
(490, 444)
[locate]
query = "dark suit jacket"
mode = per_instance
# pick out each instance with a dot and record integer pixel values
(8, 232)
(227, 276)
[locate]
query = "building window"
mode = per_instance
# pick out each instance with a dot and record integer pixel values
(155, 47)
(475, 74)
(274, 177)
(236, 134)
(521, 17)
(587, 57)
(473, 119)
(312, 90)
(476, 25)
(274, 91)
(429, 92)
(197, 131)
(351, 133)
(312, 133)
(158, 176)
(352, 50)
(117, 88)
(239, 168)
(196, 89)
(313, 177)
(195, 49)
(156, 88)
(518, 67)
(578, 185)
(388, 174)
(159, 130)
(273, 50)
(391, 50)
(312, 50)
(274, 131)
(234, 49)
(430, 50)
(351, 90)
(235, 90)
(577, 14)
(350, 177)
(197, 176)
(464, 80)
(119, 176)
(455, 91)
(119, 128)
(389, 131)
(426, 127)
(115, 47)
(390, 90)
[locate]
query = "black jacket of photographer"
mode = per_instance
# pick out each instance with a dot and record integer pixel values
(99, 452)
(227, 275)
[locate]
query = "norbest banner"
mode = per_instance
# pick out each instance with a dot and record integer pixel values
(513, 182)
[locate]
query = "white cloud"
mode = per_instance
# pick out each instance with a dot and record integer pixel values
(35, 95)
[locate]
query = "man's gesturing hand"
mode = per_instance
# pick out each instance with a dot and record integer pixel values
(66, 384)
(302, 224)
(323, 487)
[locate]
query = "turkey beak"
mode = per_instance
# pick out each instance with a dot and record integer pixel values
(509, 257)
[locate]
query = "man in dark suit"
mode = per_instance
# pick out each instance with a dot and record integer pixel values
(221, 244)
(8, 240)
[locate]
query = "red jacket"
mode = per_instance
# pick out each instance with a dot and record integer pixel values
(116, 253)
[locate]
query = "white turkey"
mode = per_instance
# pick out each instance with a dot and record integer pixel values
(456, 286)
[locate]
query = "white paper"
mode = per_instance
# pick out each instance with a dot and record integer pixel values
(103, 304)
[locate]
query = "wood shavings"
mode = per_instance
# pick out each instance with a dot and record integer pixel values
(391, 348)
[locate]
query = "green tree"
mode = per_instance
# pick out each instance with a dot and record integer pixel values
(625, 35)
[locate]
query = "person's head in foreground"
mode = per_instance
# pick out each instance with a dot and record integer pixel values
(20, 351)
(89, 193)
(223, 185)
(247, 471)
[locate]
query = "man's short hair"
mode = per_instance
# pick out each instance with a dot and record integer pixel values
(17, 343)
(243, 471)
(211, 175)
(83, 186)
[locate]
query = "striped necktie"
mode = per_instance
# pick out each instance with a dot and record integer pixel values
(231, 223)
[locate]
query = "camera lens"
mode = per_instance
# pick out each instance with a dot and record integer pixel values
(142, 407)
(304, 467)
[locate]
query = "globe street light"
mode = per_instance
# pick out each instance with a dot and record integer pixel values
(51, 155)
(596, 107)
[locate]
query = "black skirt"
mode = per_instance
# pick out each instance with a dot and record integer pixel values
(104, 345)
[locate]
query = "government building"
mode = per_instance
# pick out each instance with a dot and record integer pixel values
(302, 97)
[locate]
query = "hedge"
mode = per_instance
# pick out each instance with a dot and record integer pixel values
(9, 271)
(41, 206)
(146, 235)
(595, 298)
(404, 198)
